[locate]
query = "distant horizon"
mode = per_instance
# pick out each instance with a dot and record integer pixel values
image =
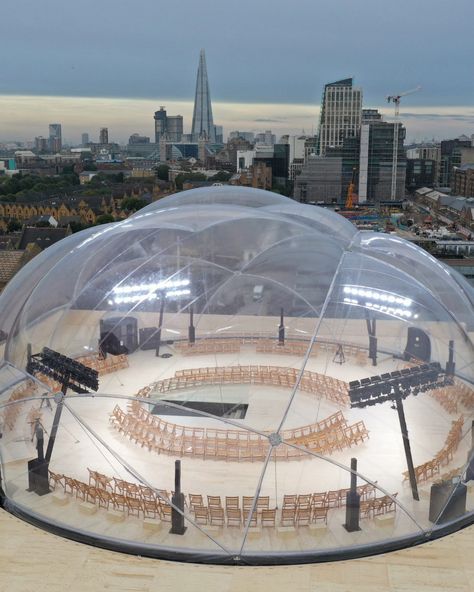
(23, 117)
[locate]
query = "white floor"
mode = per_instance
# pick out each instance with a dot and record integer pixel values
(95, 444)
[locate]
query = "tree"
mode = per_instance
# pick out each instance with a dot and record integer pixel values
(78, 226)
(132, 204)
(162, 172)
(105, 219)
(14, 225)
(221, 176)
(182, 177)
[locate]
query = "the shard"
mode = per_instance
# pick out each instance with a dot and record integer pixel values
(202, 115)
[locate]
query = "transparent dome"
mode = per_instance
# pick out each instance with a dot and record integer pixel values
(265, 345)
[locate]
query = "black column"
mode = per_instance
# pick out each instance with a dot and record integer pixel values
(352, 501)
(177, 517)
(406, 444)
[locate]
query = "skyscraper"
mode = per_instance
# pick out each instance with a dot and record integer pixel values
(341, 111)
(104, 135)
(85, 139)
(55, 137)
(172, 125)
(376, 158)
(202, 115)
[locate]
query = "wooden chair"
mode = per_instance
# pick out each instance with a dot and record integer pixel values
(69, 485)
(268, 518)
(248, 517)
(216, 516)
(201, 514)
(92, 494)
(333, 499)
(134, 506)
(232, 502)
(319, 499)
(214, 501)
(366, 508)
(290, 501)
(303, 516)
(151, 509)
(288, 516)
(263, 503)
(104, 497)
(234, 516)
(146, 493)
(165, 512)
(55, 479)
(320, 514)
(304, 502)
(195, 501)
(119, 501)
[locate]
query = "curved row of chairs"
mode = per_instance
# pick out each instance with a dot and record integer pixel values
(293, 347)
(161, 436)
(429, 469)
(11, 412)
(300, 348)
(232, 511)
(454, 396)
(312, 382)
(105, 365)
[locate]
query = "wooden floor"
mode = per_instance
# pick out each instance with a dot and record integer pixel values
(32, 560)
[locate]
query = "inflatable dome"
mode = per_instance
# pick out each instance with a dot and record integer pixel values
(229, 376)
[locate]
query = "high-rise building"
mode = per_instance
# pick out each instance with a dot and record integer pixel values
(172, 125)
(160, 124)
(266, 138)
(138, 139)
(41, 144)
(202, 114)
(249, 136)
(376, 161)
(55, 137)
(104, 135)
(85, 139)
(341, 113)
(451, 156)
(219, 131)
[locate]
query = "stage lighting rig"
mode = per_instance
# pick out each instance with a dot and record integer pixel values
(71, 375)
(395, 387)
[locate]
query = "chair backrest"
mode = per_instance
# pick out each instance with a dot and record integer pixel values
(214, 501)
(232, 502)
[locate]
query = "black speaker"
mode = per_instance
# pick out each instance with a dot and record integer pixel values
(418, 345)
(38, 479)
(110, 344)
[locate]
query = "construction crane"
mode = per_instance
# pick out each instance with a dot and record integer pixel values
(395, 99)
(351, 199)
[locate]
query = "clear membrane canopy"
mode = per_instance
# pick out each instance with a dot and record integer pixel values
(283, 300)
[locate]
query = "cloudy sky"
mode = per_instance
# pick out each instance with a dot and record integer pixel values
(112, 63)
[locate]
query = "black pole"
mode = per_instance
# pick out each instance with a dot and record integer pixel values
(39, 440)
(372, 331)
(57, 418)
(160, 325)
(352, 501)
(191, 329)
(406, 444)
(177, 509)
(450, 365)
(281, 329)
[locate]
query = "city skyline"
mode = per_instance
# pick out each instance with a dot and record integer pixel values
(24, 117)
(274, 68)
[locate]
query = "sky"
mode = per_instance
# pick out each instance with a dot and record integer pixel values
(113, 63)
